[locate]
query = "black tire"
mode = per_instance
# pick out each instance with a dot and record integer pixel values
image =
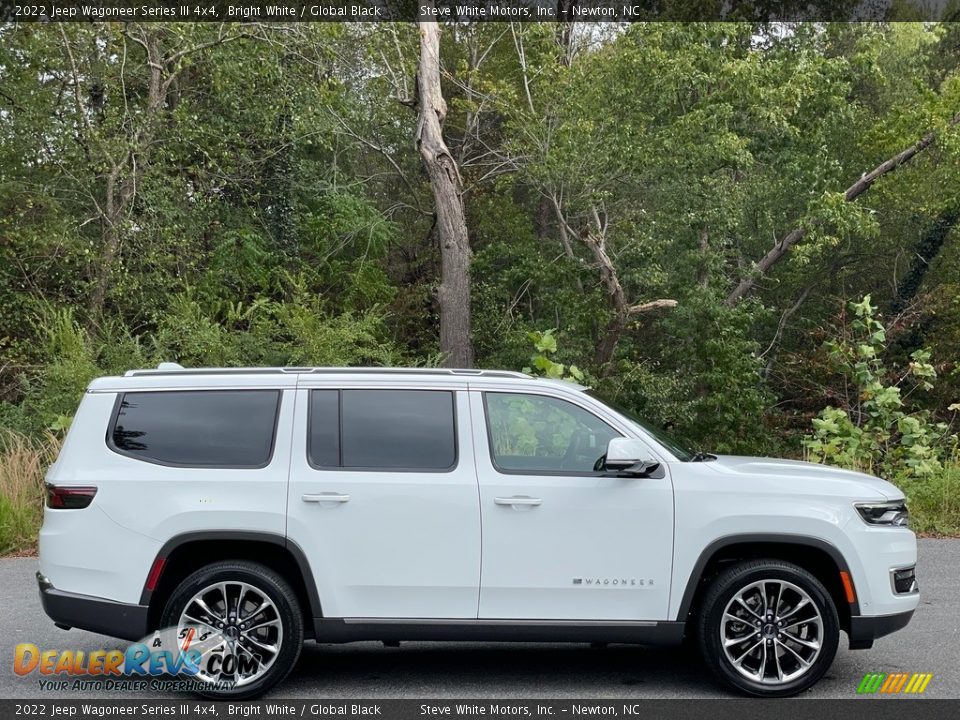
(268, 583)
(739, 578)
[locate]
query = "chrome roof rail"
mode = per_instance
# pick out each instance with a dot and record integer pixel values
(176, 369)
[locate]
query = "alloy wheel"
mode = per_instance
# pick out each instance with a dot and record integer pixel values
(237, 630)
(771, 631)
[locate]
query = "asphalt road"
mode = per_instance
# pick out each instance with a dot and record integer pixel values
(931, 643)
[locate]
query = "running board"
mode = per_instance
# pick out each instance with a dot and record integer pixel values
(344, 630)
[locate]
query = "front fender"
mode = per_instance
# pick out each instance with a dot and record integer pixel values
(688, 574)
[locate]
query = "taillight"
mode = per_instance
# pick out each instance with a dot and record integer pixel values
(69, 498)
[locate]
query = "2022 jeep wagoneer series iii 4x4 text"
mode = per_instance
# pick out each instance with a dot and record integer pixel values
(246, 510)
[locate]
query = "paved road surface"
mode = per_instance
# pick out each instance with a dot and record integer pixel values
(931, 643)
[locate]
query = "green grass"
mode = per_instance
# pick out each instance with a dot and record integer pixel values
(934, 502)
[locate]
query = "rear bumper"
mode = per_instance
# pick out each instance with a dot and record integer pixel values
(69, 610)
(864, 629)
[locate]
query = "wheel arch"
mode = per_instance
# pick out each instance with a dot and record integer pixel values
(185, 553)
(818, 557)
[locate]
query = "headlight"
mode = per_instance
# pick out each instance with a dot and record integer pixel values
(889, 513)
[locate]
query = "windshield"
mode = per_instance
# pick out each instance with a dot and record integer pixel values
(662, 436)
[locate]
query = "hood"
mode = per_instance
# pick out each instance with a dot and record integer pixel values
(799, 473)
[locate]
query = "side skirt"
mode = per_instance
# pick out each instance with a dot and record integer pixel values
(344, 630)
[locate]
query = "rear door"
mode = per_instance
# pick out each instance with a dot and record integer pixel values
(383, 499)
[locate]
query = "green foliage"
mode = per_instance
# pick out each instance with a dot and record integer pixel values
(51, 394)
(522, 284)
(934, 500)
(704, 383)
(263, 332)
(274, 210)
(545, 344)
(877, 431)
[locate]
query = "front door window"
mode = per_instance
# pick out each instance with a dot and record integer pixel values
(541, 434)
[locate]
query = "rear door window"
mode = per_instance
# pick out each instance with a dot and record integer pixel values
(197, 428)
(382, 429)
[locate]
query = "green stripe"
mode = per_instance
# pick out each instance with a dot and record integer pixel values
(871, 682)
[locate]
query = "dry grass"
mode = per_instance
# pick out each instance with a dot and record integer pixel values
(23, 462)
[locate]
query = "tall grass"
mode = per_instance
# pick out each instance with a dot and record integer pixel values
(23, 462)
(934, 501)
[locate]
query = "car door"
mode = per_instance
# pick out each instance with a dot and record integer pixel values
(561, 540)
(383, 500)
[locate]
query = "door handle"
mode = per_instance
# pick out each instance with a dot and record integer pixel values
(518, 500)
(330, 497)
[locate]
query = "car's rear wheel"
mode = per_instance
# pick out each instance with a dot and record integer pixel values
(768, 628)
(243, 625)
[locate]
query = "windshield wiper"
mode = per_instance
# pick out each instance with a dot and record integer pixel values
(702, 457)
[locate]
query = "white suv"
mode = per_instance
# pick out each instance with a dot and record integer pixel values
(251, 509)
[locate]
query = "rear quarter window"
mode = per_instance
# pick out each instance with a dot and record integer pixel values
(196, 428)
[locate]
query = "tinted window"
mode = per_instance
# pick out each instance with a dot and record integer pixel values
(389, 429)
(665, 438)
(325, 428)
(537, 433)
(216, 428)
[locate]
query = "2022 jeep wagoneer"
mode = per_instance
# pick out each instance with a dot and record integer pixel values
(246, 510)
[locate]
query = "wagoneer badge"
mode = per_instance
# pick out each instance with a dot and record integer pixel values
(614, 582)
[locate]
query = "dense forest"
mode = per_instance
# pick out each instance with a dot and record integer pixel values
(746, 233)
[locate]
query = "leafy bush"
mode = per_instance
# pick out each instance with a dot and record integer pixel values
(705, 381)
(877, 432)
(541, 363)
(50, 394)
(296, 332)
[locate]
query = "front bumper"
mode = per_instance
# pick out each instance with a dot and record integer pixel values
(69, 610)
(864, 629)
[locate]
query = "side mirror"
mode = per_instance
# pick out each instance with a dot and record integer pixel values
(625, 458)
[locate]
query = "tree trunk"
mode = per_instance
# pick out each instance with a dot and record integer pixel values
(111, 220)
(603, 355)
(777, 252)
(445, 182)
(121, 183)
(927, 250)
(703, 272)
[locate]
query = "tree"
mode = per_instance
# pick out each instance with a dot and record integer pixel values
(450, 223)
(117, 145)
(268, 205)
(864, 183)
(623, 311)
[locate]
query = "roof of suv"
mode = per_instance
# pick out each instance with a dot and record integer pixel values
(168, 375)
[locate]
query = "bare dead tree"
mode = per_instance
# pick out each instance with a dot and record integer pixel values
(451, 226)
(595, 238)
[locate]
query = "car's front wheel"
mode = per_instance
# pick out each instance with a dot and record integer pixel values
(241, 623)
(768, 628)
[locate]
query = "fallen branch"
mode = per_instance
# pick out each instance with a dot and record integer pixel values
(778, 251)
